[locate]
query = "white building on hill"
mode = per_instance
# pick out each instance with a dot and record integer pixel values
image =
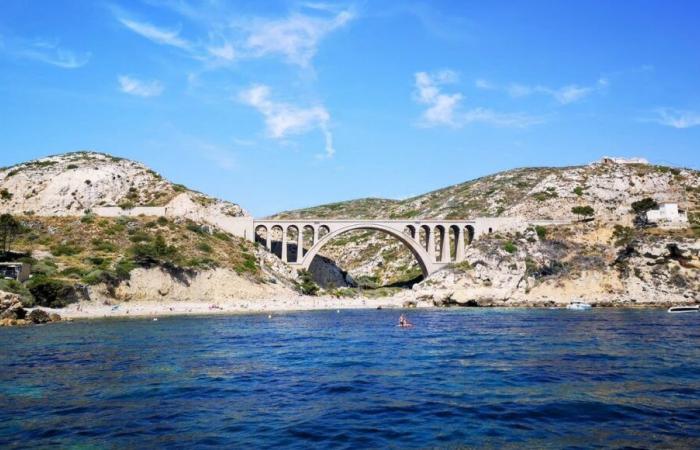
(668, 215)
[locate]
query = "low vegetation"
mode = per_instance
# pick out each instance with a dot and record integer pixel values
(76, 252)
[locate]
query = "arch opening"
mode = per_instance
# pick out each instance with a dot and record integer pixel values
(423, 263)
(276, 240)
(261, 234)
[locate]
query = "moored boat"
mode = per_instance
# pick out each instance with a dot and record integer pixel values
(684, 309)
(578, 305)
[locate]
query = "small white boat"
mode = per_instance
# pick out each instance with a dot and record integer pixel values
(578, 306)
(684, 309)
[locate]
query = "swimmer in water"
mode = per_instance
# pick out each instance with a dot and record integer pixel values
(403, 322)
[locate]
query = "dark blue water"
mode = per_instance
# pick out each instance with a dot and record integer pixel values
(474, 377)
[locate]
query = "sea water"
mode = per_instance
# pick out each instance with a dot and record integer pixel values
(505, 378)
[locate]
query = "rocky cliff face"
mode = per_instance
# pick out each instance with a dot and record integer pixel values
(608, 187)
(75, 183)
(583, 261)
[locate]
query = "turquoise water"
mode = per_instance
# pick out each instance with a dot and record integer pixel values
(460, 377)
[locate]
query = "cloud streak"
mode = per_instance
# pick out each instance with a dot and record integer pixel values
(156, 34)
(140, 88)
(677, 118)
(48, 52)
(444, 109)
(564, 95)
(294, 38)
(284, 119)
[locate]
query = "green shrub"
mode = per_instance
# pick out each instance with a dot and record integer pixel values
(95, 277)
(510, 247)
(103, 246)
(644, 205)
(545, 195)
(179, 188)
(306, 283)
(139, 236)
(72, 272)
(66, 250)
(71, 166)
(5, 194)
(367, 282)
(623, 236)
(88, 218)
(156, 250)
(583, 211)
(461, 267)
(98, 261)
(44, 267)
(162, 221)
(204, 247)
(248, 265)
(541, 232)
(222, 236)
(578, 190)
(124, 267)
(51, 293)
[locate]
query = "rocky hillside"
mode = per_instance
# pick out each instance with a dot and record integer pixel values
(608, 187)
(533, 193)
(74, 183)
(78, 255)
(622, 266)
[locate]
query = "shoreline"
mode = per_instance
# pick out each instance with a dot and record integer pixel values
(159, 308)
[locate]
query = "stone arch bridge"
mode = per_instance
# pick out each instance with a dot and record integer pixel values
(434, 243)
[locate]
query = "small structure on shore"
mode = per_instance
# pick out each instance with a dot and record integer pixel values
(17, 271)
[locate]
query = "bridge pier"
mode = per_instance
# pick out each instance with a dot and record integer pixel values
(430, 242)
(445, 241)
(284, 245)
(459, 254)
(300, 243)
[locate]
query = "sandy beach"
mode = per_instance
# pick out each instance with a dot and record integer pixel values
(158, 308)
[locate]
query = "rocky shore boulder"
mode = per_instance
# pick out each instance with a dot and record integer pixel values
(14, 312)
(39, 316)
(11, 306)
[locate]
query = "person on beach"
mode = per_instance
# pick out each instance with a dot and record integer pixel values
(403, 322)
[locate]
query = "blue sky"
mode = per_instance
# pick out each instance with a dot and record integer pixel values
(281, 105)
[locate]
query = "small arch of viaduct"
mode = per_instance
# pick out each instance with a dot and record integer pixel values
(434, 243)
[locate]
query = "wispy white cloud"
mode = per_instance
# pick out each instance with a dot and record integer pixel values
(133, 86)
(231, 37)
(445, 109)
(49, 52)
(296, 37)
(677, 118)
(563, 95)
(441, 107)
(156, 34)
(284, 119)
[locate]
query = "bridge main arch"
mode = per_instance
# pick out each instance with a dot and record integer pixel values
(424, 260)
